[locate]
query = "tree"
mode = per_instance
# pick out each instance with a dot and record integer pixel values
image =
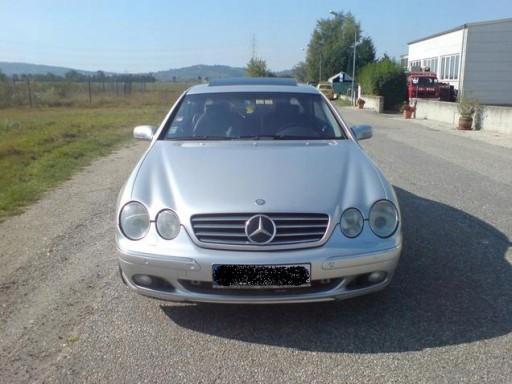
(332, 44)
(384, 78)
(2, 77)
(299, 71)
(257, 67)
(100, 76)
(74, 76)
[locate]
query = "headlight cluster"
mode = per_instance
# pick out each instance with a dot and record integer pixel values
(134, 222)
(167, 224)
(351, 222)
(383, 220)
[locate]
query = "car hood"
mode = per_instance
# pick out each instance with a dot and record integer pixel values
(290, 176)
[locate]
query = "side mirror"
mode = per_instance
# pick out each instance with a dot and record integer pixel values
(362, 132)
(144, 132)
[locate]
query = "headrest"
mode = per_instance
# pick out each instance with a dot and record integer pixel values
(217, 108)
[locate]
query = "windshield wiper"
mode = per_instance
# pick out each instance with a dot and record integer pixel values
(252, 137)
(281, 137)
(198, 138)
(297, 137)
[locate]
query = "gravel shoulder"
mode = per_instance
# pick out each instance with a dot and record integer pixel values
(57, 259)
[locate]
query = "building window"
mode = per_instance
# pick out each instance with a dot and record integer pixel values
(430, 63)
(415, 64)
(404, 62)
(450, 67)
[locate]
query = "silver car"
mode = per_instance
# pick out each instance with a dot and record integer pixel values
(256, 191)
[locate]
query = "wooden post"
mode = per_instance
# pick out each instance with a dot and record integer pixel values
(29, 92)
(90, 94)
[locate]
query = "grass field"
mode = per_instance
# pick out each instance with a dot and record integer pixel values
(39, 148)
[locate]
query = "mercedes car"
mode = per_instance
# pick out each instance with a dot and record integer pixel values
(255, 190)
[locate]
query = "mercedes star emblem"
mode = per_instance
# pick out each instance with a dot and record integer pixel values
(260, 229)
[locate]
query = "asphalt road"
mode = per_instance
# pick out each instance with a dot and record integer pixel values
(446, 317)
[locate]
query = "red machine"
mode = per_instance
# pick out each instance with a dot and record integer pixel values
(424, 85)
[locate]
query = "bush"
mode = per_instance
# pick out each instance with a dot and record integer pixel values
(384, 78)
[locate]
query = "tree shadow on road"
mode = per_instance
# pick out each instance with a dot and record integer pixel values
(453, 286)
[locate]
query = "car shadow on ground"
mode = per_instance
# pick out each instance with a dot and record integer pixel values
(452, 287)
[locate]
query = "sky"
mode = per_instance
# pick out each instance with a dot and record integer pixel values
(144, 36)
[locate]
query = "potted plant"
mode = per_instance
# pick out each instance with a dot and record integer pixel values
(407, 109)
(467, 109)
(360, 103)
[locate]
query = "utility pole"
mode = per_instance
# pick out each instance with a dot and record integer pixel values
(354, 69)
(353, 60)
(321, 44)
(320, 69)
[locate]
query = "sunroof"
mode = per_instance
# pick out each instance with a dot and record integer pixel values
(253, 81)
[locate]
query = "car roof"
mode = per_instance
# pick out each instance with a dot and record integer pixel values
(252, 84)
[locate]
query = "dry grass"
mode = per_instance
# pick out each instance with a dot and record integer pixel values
(41, 147)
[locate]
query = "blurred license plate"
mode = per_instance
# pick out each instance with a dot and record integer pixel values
(261, 276)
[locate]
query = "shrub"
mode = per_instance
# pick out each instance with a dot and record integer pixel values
(467, 107)
(384, 78)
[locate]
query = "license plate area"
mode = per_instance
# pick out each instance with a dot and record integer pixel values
(261, 276)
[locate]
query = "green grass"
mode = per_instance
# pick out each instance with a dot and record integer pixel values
(39, 148)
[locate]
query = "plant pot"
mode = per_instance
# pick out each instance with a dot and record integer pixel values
(407, 113)
(465, 123)
(360, 104)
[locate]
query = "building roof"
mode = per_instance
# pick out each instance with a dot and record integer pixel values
(467, 25)
(252, 85)
(344, 76)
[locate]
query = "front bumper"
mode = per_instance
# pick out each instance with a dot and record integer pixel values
(337, 269)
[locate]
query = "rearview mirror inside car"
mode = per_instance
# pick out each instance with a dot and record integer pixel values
(144, 132)
(362, 132)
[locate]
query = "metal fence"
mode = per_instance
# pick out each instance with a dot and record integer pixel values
(32, 93)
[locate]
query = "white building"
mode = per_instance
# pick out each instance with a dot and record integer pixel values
(476, 58)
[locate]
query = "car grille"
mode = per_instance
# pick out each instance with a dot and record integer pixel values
(291, 228)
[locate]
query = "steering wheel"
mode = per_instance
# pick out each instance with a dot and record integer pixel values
(296, 129)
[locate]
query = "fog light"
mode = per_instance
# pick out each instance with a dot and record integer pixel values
(143, 280)
(377, 277)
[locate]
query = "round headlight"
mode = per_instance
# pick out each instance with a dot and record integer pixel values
(134, 220)
(351, 222)
(167, 224)
(383, 218)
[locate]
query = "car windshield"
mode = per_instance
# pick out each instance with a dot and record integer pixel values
(255, 115)
(425, 81)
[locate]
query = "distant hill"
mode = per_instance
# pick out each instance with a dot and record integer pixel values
(10, 69)
(194, 71)
(284, 73)
(181, 74)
